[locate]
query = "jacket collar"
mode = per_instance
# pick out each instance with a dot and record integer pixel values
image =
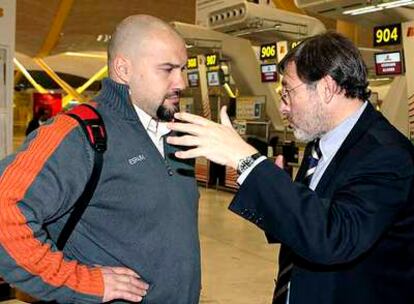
(116, 96)
(368, 117)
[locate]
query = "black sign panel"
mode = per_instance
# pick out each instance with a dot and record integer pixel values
(211, 60)
(268, 51)
(387, 35)
(192, 63)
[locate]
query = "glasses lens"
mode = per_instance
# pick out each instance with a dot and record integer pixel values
(284, 96)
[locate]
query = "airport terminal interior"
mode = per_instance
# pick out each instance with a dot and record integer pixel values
(53, 57)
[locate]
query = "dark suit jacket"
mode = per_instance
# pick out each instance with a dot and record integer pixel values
(352, 239)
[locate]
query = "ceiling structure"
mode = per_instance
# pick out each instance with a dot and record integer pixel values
(50, 28)
(336, 9)
(84, 20)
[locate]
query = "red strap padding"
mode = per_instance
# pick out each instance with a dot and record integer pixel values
(85, 113)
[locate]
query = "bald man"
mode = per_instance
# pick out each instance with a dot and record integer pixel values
(138, 238)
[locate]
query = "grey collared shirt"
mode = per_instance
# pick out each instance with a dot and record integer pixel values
(331, 142)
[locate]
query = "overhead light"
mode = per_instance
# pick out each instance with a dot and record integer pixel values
(396, 3)
(378, 7)
(88, 55)
(370, 10)
(103, 38)
(363, 10)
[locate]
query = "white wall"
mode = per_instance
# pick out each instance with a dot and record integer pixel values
(408, 43)
(7, 42)
(395, 106)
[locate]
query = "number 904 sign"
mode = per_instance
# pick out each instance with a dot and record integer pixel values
(268, 51)
(387, 35)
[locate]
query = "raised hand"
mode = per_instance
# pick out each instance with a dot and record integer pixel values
(219, 143)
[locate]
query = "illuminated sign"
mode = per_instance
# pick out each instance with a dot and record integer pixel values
(268, 72)
(387, 35)
(268, 51)
(192, 63)
(389, 63)
(192, 79)
(294, 44)
(213, 78)
(282, 50)
(211, 60)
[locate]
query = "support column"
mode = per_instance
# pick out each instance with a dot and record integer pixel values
(407, 29)
(7, 42)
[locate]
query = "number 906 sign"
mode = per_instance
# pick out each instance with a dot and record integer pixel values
(268, 51)
(387, 35)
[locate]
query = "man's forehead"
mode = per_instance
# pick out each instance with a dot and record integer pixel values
(290, 74)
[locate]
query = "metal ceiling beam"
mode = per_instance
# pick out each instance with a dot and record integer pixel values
(66, 87)
(26, 74)
(98, 75)
(64, 8)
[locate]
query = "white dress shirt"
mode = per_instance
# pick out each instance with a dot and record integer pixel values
(155, 129)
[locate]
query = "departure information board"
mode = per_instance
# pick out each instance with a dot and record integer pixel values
(211, 60)
(192, 63)
(387, 35)
(268, 51)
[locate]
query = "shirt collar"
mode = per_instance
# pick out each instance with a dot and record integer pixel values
(331, 141)
(151, 124)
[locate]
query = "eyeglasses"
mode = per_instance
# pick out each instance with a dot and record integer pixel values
(285, 94)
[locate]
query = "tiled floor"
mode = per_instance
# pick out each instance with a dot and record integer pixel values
(238, 265)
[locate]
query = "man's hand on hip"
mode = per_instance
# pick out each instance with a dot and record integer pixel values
(123, 283)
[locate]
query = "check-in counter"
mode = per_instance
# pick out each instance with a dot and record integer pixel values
(202, 169)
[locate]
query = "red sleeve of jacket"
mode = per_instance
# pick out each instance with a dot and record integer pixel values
(26, 253)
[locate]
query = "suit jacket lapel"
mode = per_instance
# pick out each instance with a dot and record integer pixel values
(369, 116)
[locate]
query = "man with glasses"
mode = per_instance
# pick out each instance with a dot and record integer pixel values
(346, 224)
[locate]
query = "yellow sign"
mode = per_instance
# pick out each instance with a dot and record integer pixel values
(267, 51)
(295, 44)
(282, 49)
(192, 63)
(211, 60)
(1, 12)
(387, 35)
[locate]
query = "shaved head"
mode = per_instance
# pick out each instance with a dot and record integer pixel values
(135, 34)
(149, 56)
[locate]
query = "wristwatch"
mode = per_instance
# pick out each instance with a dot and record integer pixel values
(247, 162)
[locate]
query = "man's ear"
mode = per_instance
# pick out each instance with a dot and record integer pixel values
(122, 69)
(328, 88)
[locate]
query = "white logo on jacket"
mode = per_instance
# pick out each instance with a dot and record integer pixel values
(136, 159)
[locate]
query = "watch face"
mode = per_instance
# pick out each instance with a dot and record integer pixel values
(245, 164)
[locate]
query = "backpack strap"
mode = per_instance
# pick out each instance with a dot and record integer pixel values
(93, 126)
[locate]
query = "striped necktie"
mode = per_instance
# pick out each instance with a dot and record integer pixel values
(313, 160)
(286, 265)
